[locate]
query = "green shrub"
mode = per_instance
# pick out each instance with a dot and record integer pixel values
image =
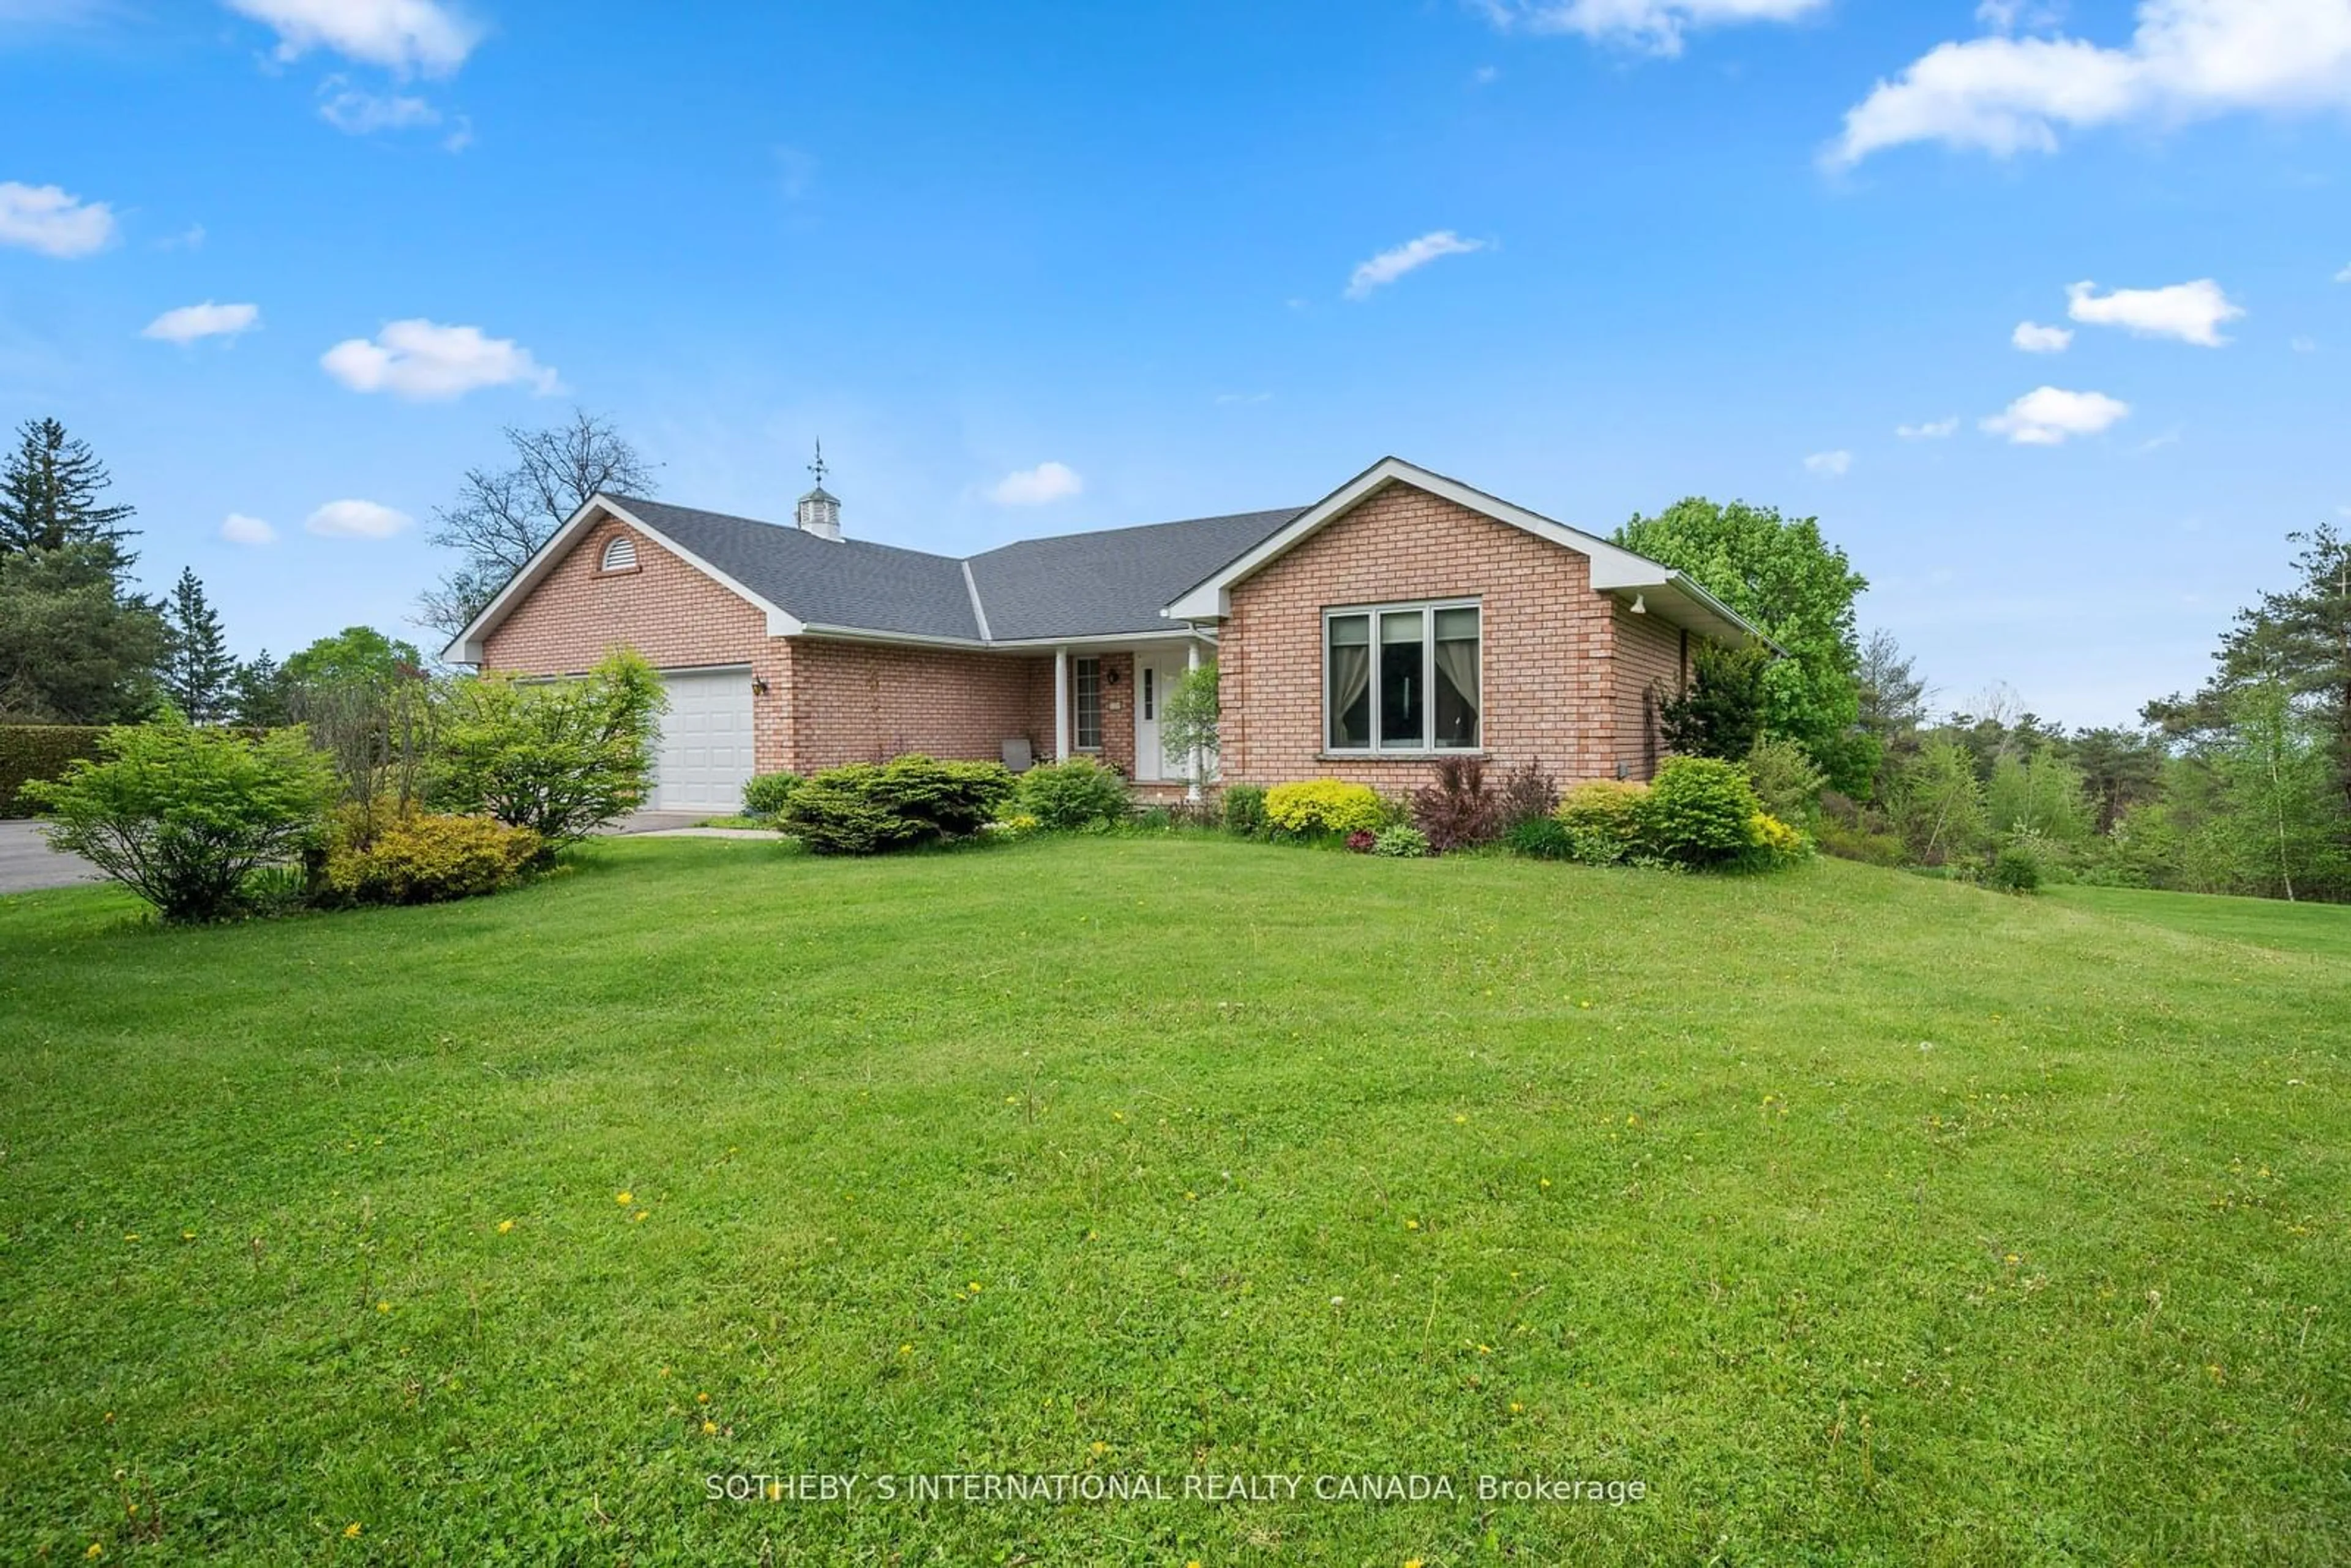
(2016, 868)
(421, 858)
(183, 816)
(1699, 812)
(1542, 838)
(1603, 820)
(40, 751)
(1245, 810)
(1401, 842)
(1786, 780)
(836, 813)
(1325, 806)
(1856, 844)
(868, 808)
(560, 758)
(1073, 794)
(767, 794)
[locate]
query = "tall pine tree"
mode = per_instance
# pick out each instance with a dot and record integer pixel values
(50, 498)
(77, 644)
(198, 673)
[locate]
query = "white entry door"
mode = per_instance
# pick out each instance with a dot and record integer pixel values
(705, 754)
(1155, 675)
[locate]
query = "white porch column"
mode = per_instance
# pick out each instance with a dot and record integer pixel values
(1192, 763)
(1060, 704)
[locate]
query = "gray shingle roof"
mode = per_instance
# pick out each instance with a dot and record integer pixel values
(827, 583)
(1075, 585)
(1115, 581)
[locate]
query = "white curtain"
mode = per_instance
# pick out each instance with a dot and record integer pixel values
(1351, 678)
(1457, 665)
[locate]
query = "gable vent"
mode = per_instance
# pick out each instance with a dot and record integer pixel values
(621, 555)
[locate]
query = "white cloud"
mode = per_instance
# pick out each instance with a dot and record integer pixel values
(239, 529)
(1657, 25)
(2343, 276)
(1244, 397)
(189, 322)
(2035, 338)
(190, 238)
(1390, 264)
(1035, 486)
(2192, 312)
(355, 520)
(43, 218)
(1832, 465)
(2186, 59)
(402, 35)
(1931, 430)
(2045, 416)
(2303, 345)
(356, 111)
(424, 361)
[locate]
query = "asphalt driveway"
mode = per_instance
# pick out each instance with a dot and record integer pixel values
(26, 862)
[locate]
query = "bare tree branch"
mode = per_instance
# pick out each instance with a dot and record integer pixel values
(502, 517)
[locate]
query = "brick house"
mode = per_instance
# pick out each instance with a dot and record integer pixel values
(1402, 619)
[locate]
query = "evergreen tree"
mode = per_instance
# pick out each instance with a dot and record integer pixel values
(197, 669)
(260, 693)
(50, 498)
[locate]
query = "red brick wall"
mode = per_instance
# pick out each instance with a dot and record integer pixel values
(1648, 671)
(1548, 693)
(665, 609)
(868, 702)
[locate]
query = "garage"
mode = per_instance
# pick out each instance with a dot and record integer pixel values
(705, 754)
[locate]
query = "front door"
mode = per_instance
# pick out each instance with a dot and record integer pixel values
(1153, 673)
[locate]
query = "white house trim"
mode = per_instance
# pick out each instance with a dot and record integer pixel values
(467, 647)
(1613, 567)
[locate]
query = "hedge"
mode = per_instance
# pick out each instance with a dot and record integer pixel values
(40, 751)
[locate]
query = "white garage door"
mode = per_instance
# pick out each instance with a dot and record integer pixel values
(706, 756)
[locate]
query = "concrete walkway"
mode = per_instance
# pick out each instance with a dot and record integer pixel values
(26, 862)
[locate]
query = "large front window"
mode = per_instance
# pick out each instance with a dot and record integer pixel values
(1401, 677)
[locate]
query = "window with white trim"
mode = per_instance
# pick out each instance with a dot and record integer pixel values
(1402, 677)
(621, 554)
(1085, 676)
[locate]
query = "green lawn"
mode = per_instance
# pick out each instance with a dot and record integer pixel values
(2263, 921)
(1861, 1218)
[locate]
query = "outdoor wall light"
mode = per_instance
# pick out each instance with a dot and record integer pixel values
(758, 688)
(1110, 677)
(1640, 604)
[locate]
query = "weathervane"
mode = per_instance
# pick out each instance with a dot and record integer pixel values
(816, 467)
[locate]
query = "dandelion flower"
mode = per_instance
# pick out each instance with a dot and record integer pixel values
(384, 1306)
(505, 1226)
(1459, 1120)
(351, 1530)
(187, 1236)
(709, 1426)
(1517, 1408)
(624, 1198)
(1412, 1224)
(701, 1399)
(639, 1218)
(1546, 1181)
(974, 1287)
(905, 1350)
(98, 1549)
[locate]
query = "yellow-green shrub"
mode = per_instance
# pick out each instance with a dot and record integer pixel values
(1775, 843)
(427, 859)
(1603, 819)
(1325, 806)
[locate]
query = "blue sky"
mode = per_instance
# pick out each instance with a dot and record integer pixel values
(1029, 268)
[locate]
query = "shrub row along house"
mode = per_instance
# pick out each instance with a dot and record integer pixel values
(1402, 619)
